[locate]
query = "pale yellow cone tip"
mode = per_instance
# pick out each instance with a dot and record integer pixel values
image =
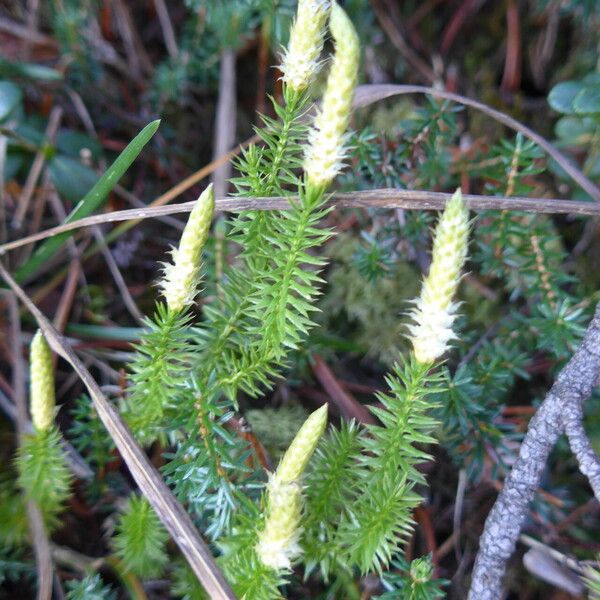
(435, 310)
(42, 393)
(301, 58)
(181, 278)
(327, 140)
(278, 543)
(303, 445)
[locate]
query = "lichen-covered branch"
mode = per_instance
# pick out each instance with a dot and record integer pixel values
(560, 409)
(588, 460)
(505, 520)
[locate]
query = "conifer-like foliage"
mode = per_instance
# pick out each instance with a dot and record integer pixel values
(413, 582)
(159, 370)
(13, 526)
(43, 474)
(379, 515)
(140, 539)
(89, 436)
(90, 587)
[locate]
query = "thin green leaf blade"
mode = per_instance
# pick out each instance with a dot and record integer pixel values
(92, 200)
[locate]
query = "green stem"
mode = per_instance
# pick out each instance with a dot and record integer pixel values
(276, 312)
(261, 219)
(132, 584)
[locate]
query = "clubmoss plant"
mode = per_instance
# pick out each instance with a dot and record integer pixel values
(282, 301)
(300, 60)
(327, 148)
(140, 539)
(435, 310)
(159, 371)
(181, 278)
(361, 491)
(43, 473)
(338, 507)
(352, 508)
(413, 582)
(278, 542)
